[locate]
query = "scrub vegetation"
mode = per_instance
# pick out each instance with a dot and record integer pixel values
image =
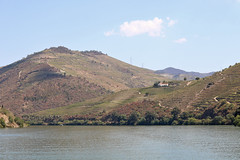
(8, 120)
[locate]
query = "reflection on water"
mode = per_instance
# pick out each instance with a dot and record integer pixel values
(118, 143)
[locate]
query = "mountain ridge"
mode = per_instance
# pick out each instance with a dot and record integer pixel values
(179, 74)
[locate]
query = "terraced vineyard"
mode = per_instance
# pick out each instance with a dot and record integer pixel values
(210, 97)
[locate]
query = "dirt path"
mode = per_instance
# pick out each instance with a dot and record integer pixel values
(215, 98)
(189, 83)
(197, 95)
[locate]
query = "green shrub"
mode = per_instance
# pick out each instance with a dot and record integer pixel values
(19, 121)
(207, 121)
(97, 122)
(155, 122)
(175, 112)
(80, 122)
(2, 123)
(164, 120)
(230, 117)
(193, 121)
(142, 121)
(149, 116)
(226, 121)
(117, 118)
(123, 122)
(10, 118)
(180, 121)
(237, 121)
(217, 120)
(155, 85)
(197, 78)
(237, 112)
(133, 118)
(184, 115)
(175, 122)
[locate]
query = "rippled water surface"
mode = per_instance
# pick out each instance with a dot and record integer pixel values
(120, 142)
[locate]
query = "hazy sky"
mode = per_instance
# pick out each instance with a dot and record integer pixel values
(194, 35)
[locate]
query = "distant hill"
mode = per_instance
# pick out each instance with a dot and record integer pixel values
(179, 74)
(59, 76)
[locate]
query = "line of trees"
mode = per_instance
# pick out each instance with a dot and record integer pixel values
(176, 117)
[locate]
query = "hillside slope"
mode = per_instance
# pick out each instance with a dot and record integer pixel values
(8, 120)
(97, 68)
(58, 76)
(214, 99)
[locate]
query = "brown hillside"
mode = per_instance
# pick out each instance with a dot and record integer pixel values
(28, 87)
(58, 76)
(97, 68)
(215, 96)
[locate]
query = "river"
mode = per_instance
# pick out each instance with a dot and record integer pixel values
(120, 143)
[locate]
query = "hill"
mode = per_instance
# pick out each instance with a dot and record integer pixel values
(210, 100)
(59, 76)
(178, 74)
(8, 120)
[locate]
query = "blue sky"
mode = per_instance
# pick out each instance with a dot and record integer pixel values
(194, 35)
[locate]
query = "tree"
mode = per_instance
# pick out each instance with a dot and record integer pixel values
(197, 78)
(185, 78)
(164, 121)
(193, 121)
(207, 121)
(217, 120)
(237, 121)
(175, 122)
(2, 123)
(175, 112)
(10, 118)
(237, 112)
(115, 117)
(149, 116)
(155, 85)
(230, 117)
(133, 118)
(19, 121)
(142, 121)
(184, 115)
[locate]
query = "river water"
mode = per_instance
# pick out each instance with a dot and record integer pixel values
(120, 143)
